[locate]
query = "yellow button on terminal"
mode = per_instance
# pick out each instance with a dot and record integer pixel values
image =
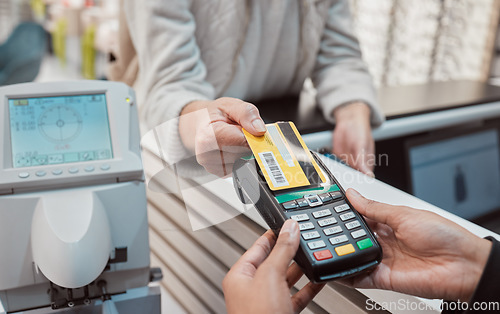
(344, 249)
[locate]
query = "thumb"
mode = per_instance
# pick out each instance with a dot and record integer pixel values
(285, 248)
(246, 115)
(379, 212)
(364, 168)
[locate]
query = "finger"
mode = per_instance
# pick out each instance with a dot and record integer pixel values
(245, 114)
(229, 135)
(285, 248)
(305, 295)
(293, 274)
(363, 160)
(217, 157)
(379, 212)
(255, 255)
(367, 169)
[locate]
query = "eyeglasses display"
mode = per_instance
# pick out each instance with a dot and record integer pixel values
(412, 42)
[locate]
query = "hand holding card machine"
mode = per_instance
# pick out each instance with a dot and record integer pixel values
(335, 239)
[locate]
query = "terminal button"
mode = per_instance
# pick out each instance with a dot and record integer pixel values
(57, 172)
(339, 239)
(302, 217)
(322, 255)
(89, 168)
(364, 244)
(358, 234)
(341, 208)
(310, 235)
(23, 175)
(352, 224)
(306, 226)
(41, 173)
(325, 197)
(290, 205)
(316, 244)
(347, 216)
(344, 249)
(332, 230)
(322, 213)
(73, 170)
(327, 222)
(313, 200)
(302, 203)
(105, 167)
(336, 195)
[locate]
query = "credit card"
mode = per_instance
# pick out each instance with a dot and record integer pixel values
(284, 158)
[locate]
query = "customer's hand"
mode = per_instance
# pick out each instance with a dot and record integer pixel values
(212, 130)
(424, 254)
(260, 281)
(352, 137)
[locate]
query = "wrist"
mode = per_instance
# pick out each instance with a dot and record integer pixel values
(352, 110)
(189, 120)
(478, 259)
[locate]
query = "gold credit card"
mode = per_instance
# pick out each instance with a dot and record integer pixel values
(284, 158)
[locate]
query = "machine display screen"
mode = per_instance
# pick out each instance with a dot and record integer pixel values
(460, 174)
(59, 130)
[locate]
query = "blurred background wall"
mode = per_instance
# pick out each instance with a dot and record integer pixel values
(403, 41)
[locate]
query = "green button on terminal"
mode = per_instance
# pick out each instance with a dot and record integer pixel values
(364, 244)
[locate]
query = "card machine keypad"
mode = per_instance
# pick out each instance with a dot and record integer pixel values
(333, 219)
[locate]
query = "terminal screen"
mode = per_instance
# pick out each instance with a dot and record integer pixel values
(59, 130)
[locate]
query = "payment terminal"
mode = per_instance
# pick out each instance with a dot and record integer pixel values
(335, 239)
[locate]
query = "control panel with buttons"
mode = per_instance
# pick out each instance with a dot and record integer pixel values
(335, 240)
(73, 134)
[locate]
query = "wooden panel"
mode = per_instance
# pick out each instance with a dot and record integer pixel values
(177, 289)
(199, 286)
(227, 252)
(194, 254)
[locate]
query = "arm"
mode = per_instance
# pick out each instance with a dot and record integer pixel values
(345, 90)
(173, 78)
(486, 292)
(171, 71)
(424, 254)
(340, 75)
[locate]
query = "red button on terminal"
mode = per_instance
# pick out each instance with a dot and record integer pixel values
(322, 255)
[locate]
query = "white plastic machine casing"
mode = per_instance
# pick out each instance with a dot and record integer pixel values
(66, 226)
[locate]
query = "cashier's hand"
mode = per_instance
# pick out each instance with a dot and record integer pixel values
(260, 281)
(424, 254)
(212, 130)
(352, 137)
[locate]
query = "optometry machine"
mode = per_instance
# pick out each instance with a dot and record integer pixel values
(73, 220)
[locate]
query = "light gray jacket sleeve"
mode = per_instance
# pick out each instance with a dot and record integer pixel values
(340, 75)
(172, 73)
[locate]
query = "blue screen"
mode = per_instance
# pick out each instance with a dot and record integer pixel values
(461, 175)
(59, 130)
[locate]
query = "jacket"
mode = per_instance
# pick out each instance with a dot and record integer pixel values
(249, 49)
